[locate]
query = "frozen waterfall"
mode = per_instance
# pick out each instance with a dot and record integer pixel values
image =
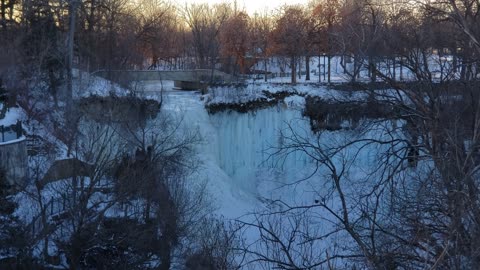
(236, 149)
(246, 142)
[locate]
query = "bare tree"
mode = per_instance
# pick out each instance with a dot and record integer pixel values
(261, 27)
(234, 40)
(289, 36)
(204, 22)
(326, 17)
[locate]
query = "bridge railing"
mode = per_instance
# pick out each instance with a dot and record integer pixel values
(10, 133)
(197, 75)
(53, 208)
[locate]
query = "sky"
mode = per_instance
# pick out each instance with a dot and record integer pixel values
(252, 6)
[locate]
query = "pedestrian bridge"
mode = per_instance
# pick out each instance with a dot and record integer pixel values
(184, 79)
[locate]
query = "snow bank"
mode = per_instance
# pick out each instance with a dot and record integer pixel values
(231, 95)
(265, 91)
(295, 102)
(258, 91)
(87, 84)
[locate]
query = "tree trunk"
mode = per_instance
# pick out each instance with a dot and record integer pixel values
(463, 72)
(45, 240)
(319, 68)
(329, 69)
(299, 65)
(169, 238)
(147, 210)
(324, 68)
(293, 69)
(477, 71)
(265, 68)
(165, 258)
(442, 67)
(394, 72)
(370, 68)
(91, 16)
(71, 36)
(469, 73)
(355, 66)
(373, 71)
(455, 63)
(3, 19)
(401, 68)
(307, 68)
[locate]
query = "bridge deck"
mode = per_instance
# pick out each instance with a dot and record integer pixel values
(197, 75)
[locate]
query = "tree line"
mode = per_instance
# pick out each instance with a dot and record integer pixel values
(104, 34)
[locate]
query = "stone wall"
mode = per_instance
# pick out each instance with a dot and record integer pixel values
(14, 160)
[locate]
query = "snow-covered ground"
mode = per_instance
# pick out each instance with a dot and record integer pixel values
(279, 67)
(86, 84)
(256, 91)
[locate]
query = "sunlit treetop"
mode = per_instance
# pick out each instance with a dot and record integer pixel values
(251, 6)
